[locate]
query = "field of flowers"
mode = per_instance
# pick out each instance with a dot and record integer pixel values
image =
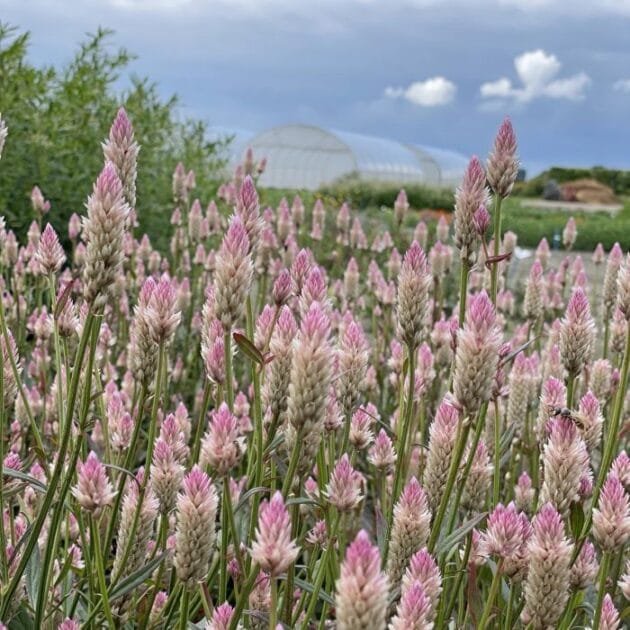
(287, 422)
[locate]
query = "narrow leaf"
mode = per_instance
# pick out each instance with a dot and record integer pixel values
(309, 588)
(248, 348)
(131, 582)
(453, 539)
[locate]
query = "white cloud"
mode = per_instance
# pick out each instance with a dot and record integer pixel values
(623, 85)
(537, 71)
(433, 92)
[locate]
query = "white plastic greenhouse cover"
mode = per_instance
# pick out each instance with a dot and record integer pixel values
(305, 156)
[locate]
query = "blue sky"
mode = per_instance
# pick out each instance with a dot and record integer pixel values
(438, 72)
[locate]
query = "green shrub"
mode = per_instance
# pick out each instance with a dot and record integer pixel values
(56, 116)
(618, 180)
(532, 224)
(361, 194)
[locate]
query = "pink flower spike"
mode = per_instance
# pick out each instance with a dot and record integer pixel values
(611, 519)
(503, 533)
(481, 220)
(362, 589)
(221, 617)
(50, 254)
(273, 549)
(344, 486)
(93, 491)
(502, 162)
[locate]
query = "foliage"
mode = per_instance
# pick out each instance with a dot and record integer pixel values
(57, 116)
(618, 180)
(361, 194)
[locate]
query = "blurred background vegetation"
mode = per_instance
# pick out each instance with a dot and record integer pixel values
(58, 117)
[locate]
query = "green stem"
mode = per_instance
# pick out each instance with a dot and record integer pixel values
(4, 572)
(229, 377)
(183, 609)
(463, 290)
(492, 595)
(244, 597)
(127, 465)
(403, 434)
(570, 390)
(100, 569)
(601, 587)
(481, 422)
(53, 531)
(497, 248)
(508, 613)
(232, 523)
(273, 609)
(201, 422)
(496, 485)
(224, 545)
(293, 462)
(40, 452)
(149, 457)
(321, 573)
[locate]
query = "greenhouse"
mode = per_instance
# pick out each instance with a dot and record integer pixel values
(306, 156)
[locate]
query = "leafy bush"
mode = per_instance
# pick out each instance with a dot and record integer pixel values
(618, 180)
(532, 224)
(56, 116)
(361, 194)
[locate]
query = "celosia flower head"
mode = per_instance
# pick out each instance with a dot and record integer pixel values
(50, 254)
(414, 282)
(362, 589)
(93, 491)
(468, 197)
(442, 435)
(122, 150)
(477, 354)
(195, 532)
(104, 230)
(221, 617)
(233, 275)
(547, 584)
(273, 549)
(503, 533)
(220, 448)
(577, 333)
(344, 486)
(502, 162)
(611, 518)
(424, 569)
(413, 611)
(162, 314)
(565, 464)
(410, 529)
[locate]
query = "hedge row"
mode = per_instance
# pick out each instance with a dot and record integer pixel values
(618, 180)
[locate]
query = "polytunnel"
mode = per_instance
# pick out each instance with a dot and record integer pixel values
(308, 157)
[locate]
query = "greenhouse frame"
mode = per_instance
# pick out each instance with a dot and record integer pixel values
(308, 157)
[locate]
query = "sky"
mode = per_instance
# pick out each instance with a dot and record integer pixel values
(434, 72)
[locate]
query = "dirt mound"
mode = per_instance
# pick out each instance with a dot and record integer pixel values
(587, 191)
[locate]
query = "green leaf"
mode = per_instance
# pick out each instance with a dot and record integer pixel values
(33, 576)
(576, 519)
(251, 492)
(17, 474)
(449, 544)
(302, 501)
(309, 588)
(131, 582)
(248, 348)
(22, 620)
